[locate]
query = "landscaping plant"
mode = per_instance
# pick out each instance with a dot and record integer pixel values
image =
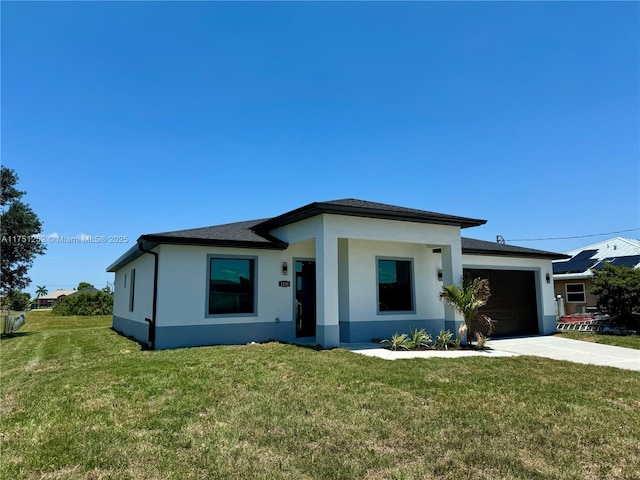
(468, 299)
(419, 338)
(398, 341)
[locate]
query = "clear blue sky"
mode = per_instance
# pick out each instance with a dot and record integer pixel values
(130, 118)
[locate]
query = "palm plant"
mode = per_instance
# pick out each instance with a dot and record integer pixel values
(468, 300)
(41, 290)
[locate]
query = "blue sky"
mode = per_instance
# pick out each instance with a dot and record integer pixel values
(128, 118)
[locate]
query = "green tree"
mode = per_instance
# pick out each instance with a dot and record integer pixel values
(41, 290)
(82, 285)
(19, 230)
(468, 299)
(19, 301)
(618, 290)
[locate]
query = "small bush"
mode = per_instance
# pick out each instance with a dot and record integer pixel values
(17, 301)
(481, 340)
(444, 339)
(419, 338)
(398, 341)
(85, 304)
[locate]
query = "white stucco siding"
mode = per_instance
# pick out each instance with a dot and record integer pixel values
(363, 283)
(183, 284)
(143, 299)
(343, 226)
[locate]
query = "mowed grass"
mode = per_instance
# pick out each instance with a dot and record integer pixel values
(629, 341)
(86, 403)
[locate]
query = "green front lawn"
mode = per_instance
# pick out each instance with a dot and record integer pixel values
(629, 341)
(79, 401)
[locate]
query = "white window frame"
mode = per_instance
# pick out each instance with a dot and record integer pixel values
(567, 293)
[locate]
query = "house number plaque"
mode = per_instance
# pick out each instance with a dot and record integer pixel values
(284, 283)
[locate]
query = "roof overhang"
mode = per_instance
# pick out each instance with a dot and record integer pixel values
(503, 253)
(149, 242)
(318, 208)
(573, 276)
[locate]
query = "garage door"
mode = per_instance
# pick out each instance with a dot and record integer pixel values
(513, 303)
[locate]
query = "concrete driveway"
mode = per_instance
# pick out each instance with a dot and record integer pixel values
(570, 350)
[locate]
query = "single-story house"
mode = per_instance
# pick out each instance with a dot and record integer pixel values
(47, 301)
(572, 277)
(84, 290)
(333, 272)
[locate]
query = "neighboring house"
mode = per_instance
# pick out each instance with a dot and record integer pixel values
(572, 278)
(328, 272)
(47, 301)
(84, 290)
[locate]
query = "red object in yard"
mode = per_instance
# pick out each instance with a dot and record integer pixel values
(577, 317)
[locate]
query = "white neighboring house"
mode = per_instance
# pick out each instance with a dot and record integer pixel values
(572, 277)
(333, 272)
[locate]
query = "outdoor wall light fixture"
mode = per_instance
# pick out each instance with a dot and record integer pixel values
(548, 278)
(285, 268)
(440, 274)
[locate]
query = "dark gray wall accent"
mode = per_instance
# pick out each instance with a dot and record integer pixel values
(225, 334)
(357, 332)
(551, 320)
(131, 328)
(452, 326)
(328, 335)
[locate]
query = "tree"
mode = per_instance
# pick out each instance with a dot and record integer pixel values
(618, 290)
(19, 301)
(41, 290)
(82, 285)
(468, 300)
(20, 228)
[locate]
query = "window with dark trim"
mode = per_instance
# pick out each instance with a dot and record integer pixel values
(231, 286)
(575, 293)
(395, 285)
(132, 292)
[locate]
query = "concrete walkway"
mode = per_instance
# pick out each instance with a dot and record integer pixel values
(548, 347)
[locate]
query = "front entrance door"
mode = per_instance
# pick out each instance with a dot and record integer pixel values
(305, 298)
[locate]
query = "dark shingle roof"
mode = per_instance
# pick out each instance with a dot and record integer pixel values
(255, 233)
(230, 234)
(471, 246)
(239, 234)
(361, 208)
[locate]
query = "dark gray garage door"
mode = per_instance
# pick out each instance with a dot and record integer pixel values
(512, 304)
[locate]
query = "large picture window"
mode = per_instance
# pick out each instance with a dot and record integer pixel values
(231, 286)
(576, 293)
(395, 285)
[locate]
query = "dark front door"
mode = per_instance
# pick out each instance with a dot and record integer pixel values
(305, 298)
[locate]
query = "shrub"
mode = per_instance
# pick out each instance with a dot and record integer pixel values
(398, 341)
(617, 289)
(85, 304)
(444, 338)
(481, 340)
(18, 301)
(419, 338)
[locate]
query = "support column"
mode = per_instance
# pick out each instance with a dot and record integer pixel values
(452, 274)
(327, 314)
